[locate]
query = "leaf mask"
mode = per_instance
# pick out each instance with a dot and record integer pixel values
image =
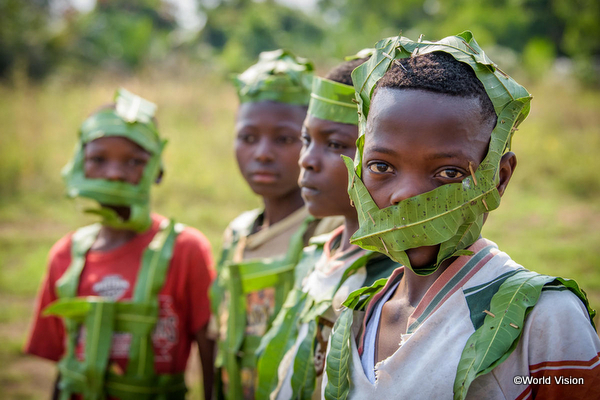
(451, 215)
(277, 76)
(131, 118)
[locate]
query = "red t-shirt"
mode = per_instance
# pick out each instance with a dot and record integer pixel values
(184, 303)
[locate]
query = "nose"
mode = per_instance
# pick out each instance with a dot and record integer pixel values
(264, 150)
(309, 160)
(115, 171)
(407, 187)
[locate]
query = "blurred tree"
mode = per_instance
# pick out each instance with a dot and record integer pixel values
(35, 37)
(25, 37)
(240, 29)
(542, 28)
(122, 32)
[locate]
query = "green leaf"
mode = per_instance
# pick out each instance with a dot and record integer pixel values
(574, 287)
(74, 308)
(280, 339)
(278, 76)
(333, 101)
(338, 358)
(358, 299)
(492, 343)
(305, 376)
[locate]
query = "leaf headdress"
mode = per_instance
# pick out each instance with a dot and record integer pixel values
(450, 215)
(277, 76)
(131, 118)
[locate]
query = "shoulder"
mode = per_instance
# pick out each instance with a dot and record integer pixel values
(559, 328)
(327, 225)
(245, 220)
(561, 305)
(192, 237)
(61, 249)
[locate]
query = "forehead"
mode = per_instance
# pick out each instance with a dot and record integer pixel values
(319, 126)
(270, 112)
(424, 118)
(114, 144)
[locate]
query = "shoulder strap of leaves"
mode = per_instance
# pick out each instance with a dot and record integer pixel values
(305, 376)
(338, 358)
(499, 335)
(277, 342)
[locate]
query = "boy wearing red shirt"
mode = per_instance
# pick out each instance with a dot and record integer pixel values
(132, 289)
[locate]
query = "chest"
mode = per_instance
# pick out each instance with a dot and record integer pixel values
(114, 280)
(392, 325)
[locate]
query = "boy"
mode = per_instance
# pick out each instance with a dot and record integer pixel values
(132, 290)
(262, 247)
(293, 368)
(437, 119)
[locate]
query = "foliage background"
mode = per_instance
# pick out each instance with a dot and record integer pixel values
(58, 63)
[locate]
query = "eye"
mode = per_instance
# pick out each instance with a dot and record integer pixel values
(286, 139)
(380, 167)
(335, 145)
(137, 162)
(95, 159)
(451, 173)
(305, 138)
(248, 138)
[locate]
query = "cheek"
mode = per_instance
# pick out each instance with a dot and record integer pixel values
(379, 192)
(138, 175)
(290, 159)
(90, 169)
(241, 156)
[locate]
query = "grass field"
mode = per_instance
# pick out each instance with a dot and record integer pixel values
(549, 220)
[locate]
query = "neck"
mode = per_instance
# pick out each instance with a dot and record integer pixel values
(350, 226)
(413, 287)
(277, 209)
(110, 238)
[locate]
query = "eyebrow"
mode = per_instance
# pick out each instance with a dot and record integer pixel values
(438, 156)
(383, 150)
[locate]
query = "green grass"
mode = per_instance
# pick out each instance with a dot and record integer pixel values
(549, 220)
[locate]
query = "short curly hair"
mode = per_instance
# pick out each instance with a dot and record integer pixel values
(439, 72)
(343, 72)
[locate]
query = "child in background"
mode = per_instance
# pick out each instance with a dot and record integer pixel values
(262, 247)
(127, 295)
(293, 369)
(433, 159)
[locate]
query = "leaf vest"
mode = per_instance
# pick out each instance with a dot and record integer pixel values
(303, 310)
(235, 280)
(138, 316)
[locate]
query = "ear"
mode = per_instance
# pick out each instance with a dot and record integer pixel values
(508, 163)
(159, 177)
